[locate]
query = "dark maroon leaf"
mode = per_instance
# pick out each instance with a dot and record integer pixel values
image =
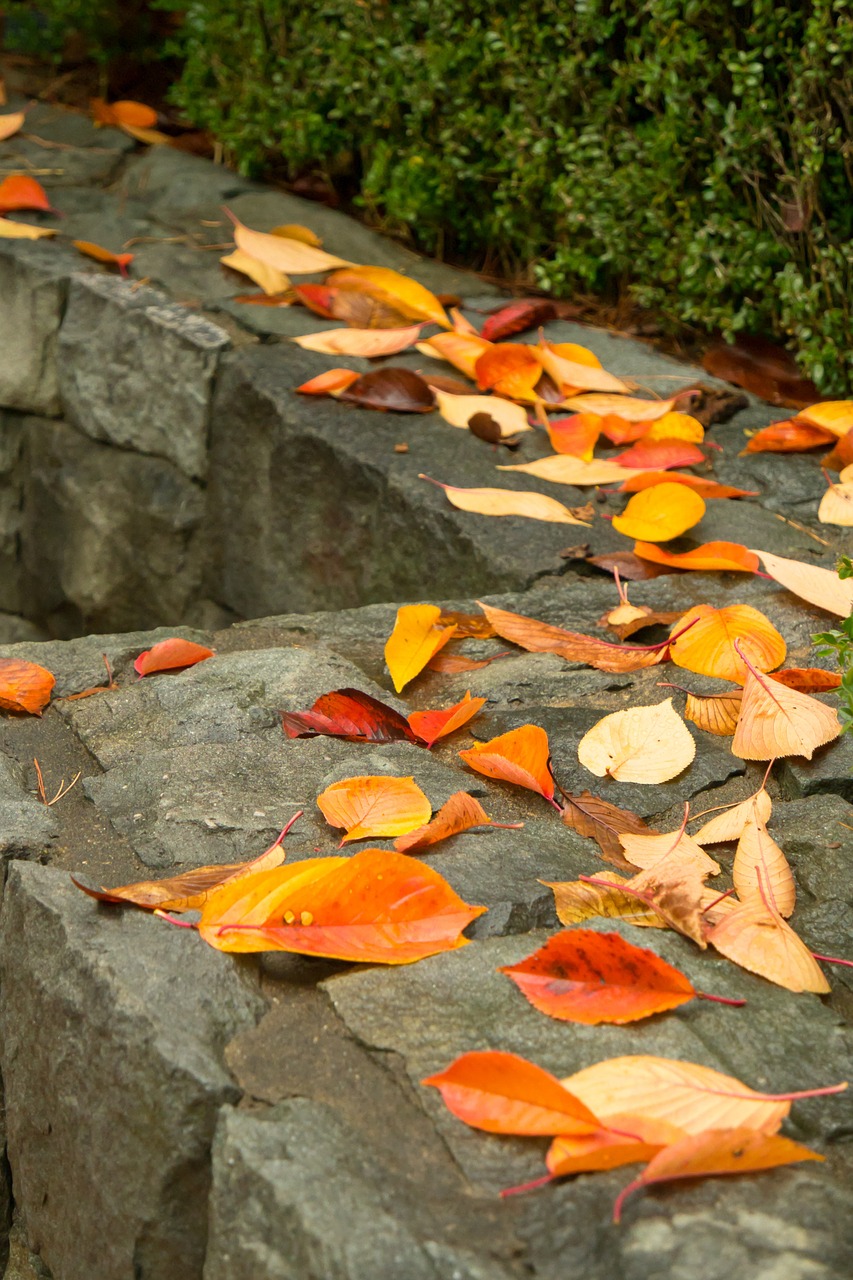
(350, 714)
(451, 386)
(392, 389)
(630, 566)
(764, 368)
(517, 317)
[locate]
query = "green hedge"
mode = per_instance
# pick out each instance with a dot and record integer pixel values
(696, 154)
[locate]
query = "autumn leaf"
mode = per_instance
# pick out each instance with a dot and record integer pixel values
(661, 455)
(677, 426)
(462, 350)
(10, 123)
(620, 431)
(629, 566)
(603, 822)
(451, 664)
(574, 646)
(461, 812)
(717, 714)
(708, 647)
(821, 587)
(19, 191)
(836, 505)
(715, 1154)
(406, 296)
(429, 726)
(641, 744)
(517, 317)
(124, 112)
(629, 408)
(507, 502)
(833, 415)
(377, 907)
(459, 410)
(349, 714)
(761, 871)
(292, 257)
(563, 468)
(373, 807)
(676, 891)
(842, 455)
(272, 281)
(473, 625)
(571, 375)
(521, 757)
(578, 900)
(24, 686)
(708, 557)
(23, 231)
(649, 849)
(792, 436)
(169, 655)
(808, 679)
(705, 488)
(729, 824)
(391, 390)
(584, 976)
(655, 515)
(99, 254)
(754, 936)
(777, 721)
(504, 1093)
(330, 383)
(369, 343)
(416, 637)
(576, 435)
(509, 369)
(318, 298)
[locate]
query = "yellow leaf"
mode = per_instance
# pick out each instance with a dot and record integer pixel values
(833, 415)
(576, 901)
(293, 257)
(295, 231)
(23, 231)
(643, 744)
(676, 426)
(459, 410)
(149, 137)
(405, 295)
(716, 714)
(662, 512)
(374, 807)
(836, 505)
(509, 502)
(572, 376)
(369, 343)
(10, 124)
(628, 408)
(756, 937)
(565, 468)
(646, 851)
(462, 350)
(730, 824)
(267, 278)
(821, 587)
(416, 638)
(761, 870)
(708, 646)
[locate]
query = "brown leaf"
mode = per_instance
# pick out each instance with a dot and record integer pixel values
(517, 317)
(451, 664)
(540, 637)
(630, 566)
(764, 368)
(603, 822)
(391, 389)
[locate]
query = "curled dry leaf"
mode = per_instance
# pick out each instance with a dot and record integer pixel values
(584, 976)
(99, 254)
(792, 436)
(406, 296)
(655, 515)
(272, 281)
(836, 505)
(19, 191)
(504, 1093)
(508, 502)
(518, 317)
(729, 824)
(521, 757)
(417, 636)
(603, 822)
(808, 679)
(777, 721)
(24, 686)
(462, 350)
(708, 647)
(716, 1154)
(578, 900)
(458, 410)
(756, 937)
(563, 468)
(705, 488)
(540, 637)
(10, 123)
(677, 892)
(170, 655)
(717, 714)
(821, 587)
(369, 343)
(377, 907)
(460, 813)
(509, 369)
(390, 390)
(372, 807)
(318, 298)
(23, 231)
(648, 745)
(626, 620)
(432, 725)
(761, 871)
(708, 557)
(349, 714)
(629, 408)
(661, 455)
(293, 257)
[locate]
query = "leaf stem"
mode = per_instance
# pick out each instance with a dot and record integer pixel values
(703, 995)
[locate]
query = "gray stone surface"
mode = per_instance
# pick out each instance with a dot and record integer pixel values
(33, 286)
(111, 539)
(26, 825)
(115, 344)
(11, 436)
(114, 1077)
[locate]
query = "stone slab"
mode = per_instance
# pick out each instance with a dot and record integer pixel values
(34, 279)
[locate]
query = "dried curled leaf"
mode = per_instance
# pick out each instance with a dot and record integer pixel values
(406, 296)
(171, 655)
(541, 637)
(390, 390)
(521, 757)
(578, 900)
(717, 714)
(642, 744)
(459, 813)
(372, 807)
(593, 817)
(648, 849)
(24, 686)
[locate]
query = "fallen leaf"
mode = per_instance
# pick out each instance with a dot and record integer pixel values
(459, 813)
(729, 824)
(509, 369)
(10, 124)
(708, 557)
(272, 281)
(576, 435)
(792, 436)
(832, 415)
(19, 191)
(124, 112)
(318, 298)
(329, 383)
(705, 488)
(504, 1093)
(375, 907)
(577, 900)
(842, 455)
(626, 407)
(708, 647)
(660, 455)
(295, 231)
(169, 655)
(626, 620)
(99, 254)
(677, 426)
(405, 295)
(761, 871)
(836, 505)
(574, 646)
(415, 639)
(821, 587)
(629, 566)
(266, 300)
(451, 664)
(521, 757)
(349, 714)
(373, 807)
(756, 937)
(620, 431)
(777, 721)
(459, 349)
(610, 1150)
(429, 726)
(516, 318)
(292, 257)
(393, 390)
(24, 686)
(603, 822)
(648, 849)
(23, 231)
(655, 515)
(808, 679)
(562, 468)
(468, 625)
(368, 343)
(149, 137)
(581, 975)
(716, 1154)
(717, 714)
(507, 502)
(459, 410)
(762, 367)
(648, 745)
(449, 386)
(572, 376)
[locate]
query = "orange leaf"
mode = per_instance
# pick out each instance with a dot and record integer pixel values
(10, 124)
(370, 807)
(808, 679)
(620, 430)
(717, 714)
(583, 976)
(326, 384)
(821, 587)
(462, 350)
(295, 231)
(642, 744)
(510, 370)
(432, 725)
(124, 112)
(508, 502)
(571, 375)
(168, 655)
(406, 296)
(521, 757)
(833, 415)
(708, 648)
(576, 435)
(788, 437)
(661, 455)
(540, 637)
(761, 869)
(369, 343)
(24, 686)
(416, 638)
(293, 257)
(99, 254)
(609, 1150)
(777, 721)
(593, 817)
(504, 1093)
(715, 1154)
(21, 192)
(468, 625)
(665, 511)
(376, 907)
(705, 488)
(710, 556)
(755, 936)
(842, 455)
(459, 814)
(451, 664)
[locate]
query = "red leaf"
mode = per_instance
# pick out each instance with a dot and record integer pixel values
(169, 655)
(317, 298)
(516, 318)
(391, 389)
(350, 714)
(661, 455)
(432, 725)
(21, 192)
